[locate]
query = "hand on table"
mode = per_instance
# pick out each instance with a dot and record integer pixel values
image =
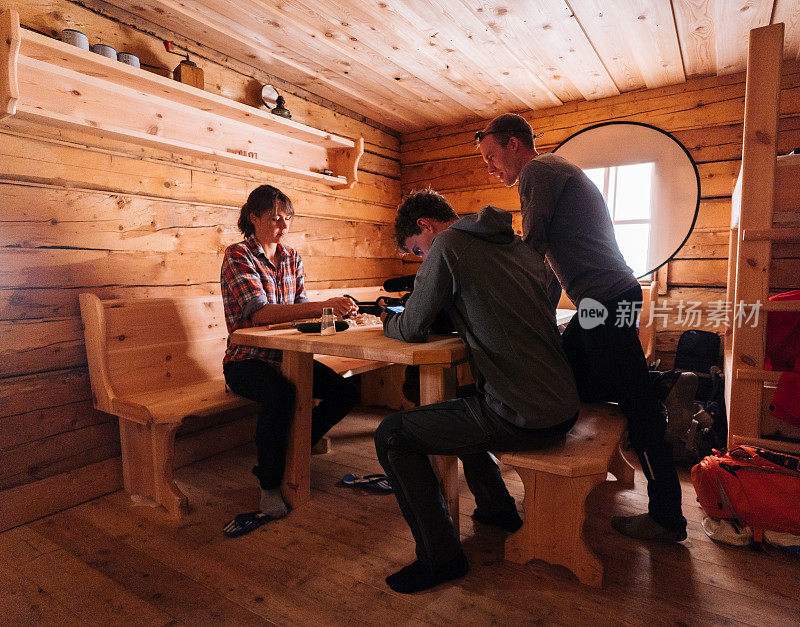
(382, 303)
(342, 306)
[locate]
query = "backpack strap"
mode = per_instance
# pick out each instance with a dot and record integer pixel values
(789, 462)
(758, 534)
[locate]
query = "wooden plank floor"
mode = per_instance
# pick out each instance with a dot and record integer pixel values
(111, 562)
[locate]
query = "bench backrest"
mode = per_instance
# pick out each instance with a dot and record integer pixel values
(140, 345)
(361, 294)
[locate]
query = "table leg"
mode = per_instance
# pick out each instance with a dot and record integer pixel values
(437, 383)
(296, 488)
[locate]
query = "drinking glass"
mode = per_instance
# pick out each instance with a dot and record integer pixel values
(328, 326)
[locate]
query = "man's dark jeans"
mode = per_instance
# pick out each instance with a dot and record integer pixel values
(261, 382)
(609, 365)
(467, 428)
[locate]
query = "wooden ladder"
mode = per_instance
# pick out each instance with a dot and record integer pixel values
(752, 235)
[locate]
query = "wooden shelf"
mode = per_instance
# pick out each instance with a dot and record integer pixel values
(46, 80)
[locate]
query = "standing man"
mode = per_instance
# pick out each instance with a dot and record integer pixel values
(492, 287)
(565, 219)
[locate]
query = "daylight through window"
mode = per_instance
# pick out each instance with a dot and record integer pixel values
(627, 191)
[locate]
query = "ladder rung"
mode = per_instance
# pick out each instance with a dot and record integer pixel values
(781, 305)
(781, 234)
(751, 374)
(773, 445)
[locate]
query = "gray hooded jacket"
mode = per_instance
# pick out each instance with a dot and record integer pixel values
(493, 288)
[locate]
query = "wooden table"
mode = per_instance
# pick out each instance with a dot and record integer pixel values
(436, 358)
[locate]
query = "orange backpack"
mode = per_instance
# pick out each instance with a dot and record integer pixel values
(752, 486)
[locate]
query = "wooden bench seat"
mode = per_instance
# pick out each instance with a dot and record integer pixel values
(155, 363)
(174, 404)
(557, 481)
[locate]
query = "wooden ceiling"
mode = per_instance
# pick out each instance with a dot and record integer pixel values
(414, 64)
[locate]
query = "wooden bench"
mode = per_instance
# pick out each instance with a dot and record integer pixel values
(557, 481)
(154, 363)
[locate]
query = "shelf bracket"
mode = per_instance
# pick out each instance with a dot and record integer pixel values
(9, 52)
(344, 161)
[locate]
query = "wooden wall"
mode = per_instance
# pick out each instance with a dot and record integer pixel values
(704, 114)
(79, 213)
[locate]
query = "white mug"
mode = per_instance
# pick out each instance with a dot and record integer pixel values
(128, 59)
(75, 38)
(104, 50)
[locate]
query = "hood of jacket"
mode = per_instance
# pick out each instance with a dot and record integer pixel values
(490, 223)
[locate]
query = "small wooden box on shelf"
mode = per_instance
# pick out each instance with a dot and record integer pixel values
(49, 81)
(188, 73)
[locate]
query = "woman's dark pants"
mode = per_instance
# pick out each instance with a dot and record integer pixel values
(263, 383)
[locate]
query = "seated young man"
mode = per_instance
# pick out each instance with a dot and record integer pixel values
(492, 287)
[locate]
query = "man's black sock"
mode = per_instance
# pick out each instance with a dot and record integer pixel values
(418, 576)
(507, 520)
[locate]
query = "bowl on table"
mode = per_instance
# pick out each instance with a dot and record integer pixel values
(316, 327)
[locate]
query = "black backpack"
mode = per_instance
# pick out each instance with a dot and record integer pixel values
(695, 424)
(697, 351)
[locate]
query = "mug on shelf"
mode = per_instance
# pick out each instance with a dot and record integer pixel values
(104, 50)
(128, 59)
(75, 38)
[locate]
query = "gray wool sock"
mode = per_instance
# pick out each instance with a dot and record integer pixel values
(272, 503)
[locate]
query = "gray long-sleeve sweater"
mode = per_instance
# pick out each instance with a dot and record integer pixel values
(492, 286)
(565, 218)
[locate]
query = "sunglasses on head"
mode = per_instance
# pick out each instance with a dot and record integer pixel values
(479, 135)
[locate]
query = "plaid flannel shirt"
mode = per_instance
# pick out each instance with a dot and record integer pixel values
(249, 281)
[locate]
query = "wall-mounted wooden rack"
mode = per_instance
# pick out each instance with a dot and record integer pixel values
(46, 80)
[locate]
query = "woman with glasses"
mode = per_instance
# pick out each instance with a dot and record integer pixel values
(263, 282)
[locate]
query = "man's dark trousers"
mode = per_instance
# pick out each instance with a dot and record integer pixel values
(469, 429)
(609, 365)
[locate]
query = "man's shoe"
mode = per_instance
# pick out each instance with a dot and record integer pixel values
(643, 527)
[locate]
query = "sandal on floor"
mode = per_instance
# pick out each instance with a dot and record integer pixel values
(245, 523)
(379, 483)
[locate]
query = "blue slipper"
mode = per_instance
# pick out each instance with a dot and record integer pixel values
(245, 523)
(379, 483)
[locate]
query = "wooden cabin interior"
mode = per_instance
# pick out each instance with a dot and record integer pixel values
(126, 183)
